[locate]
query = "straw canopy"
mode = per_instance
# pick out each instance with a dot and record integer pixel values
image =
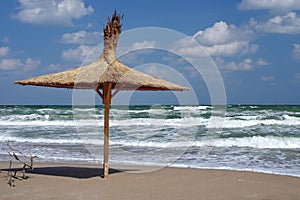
(107, 69)
(104, 75)
(94, 75)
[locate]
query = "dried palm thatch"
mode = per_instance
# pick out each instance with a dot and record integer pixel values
(94, 75)
(107, 69)
(103, 76)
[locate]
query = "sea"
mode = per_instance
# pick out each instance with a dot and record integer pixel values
(260, 138)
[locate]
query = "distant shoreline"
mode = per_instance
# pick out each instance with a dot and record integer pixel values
(140, 168)
(152, 105)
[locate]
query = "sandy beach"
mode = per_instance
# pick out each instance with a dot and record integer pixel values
(70, 181)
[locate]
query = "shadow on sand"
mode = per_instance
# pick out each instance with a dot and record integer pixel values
(65, 171)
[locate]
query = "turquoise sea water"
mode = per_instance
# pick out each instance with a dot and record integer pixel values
(255, 138)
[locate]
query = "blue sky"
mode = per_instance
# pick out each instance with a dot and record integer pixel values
(255, 44)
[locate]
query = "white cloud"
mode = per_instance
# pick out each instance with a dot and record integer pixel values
(55, 12)
(124, 52)
(267, 78)
(262, 62)
(89, 25)
(191, 71)
(223, 33)
(284, 24)
(31, 64)
(153, 70)
(269, 5)
(143, 45)
(11, 64)
(4, 51)
(189, 47)
(78, 54)
(245, 65)
(218, 33)
(232, 48)
(82, 37)
(219, 40)
(54, 67)
(296, 50)
(162, 71)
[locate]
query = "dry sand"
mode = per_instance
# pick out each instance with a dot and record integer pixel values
(69, 181)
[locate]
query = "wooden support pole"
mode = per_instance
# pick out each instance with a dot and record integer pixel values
(106, 140)
(99, 93)
(106, 102)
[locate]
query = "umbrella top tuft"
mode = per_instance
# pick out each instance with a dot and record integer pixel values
(111, 36)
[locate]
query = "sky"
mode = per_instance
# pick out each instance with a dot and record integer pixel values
(253, 44)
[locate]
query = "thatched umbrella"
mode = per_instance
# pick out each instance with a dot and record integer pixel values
(106, 76)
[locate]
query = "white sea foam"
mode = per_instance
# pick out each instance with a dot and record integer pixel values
(253, 142)
(283, 172)
(77, 109)
(192, 107)
(27, 117)
(247, 117)
(253, 107)
(37, 123)
(269, 142)
(251, 121)
(137, 143)
(51, 140)
(95, 120)
(178, 122)
(46, 110)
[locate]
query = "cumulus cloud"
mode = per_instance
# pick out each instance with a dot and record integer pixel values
(89, 25)
(267, 78)
(262, 62)
(221, 39)
(31, 64)
(223, 33)
(55, 12)
(231, 48)
(284, 24)
(143, 45)
(4, 51)
(154, 70)
(11, 64)
(269, 5)
(245, 65)
(81, 37)
(189, 47)
(77, 54)
(296, 50)
(15, 64)
(54, 67)
(124, 52)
